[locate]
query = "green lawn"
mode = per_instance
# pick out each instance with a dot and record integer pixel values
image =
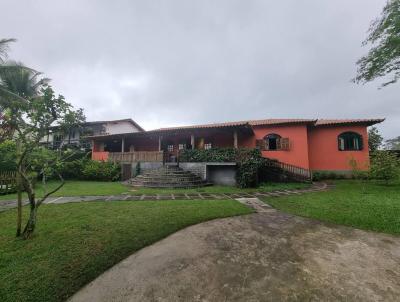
(74, 243)
(80, 188)
(221, 189)
(369, 206)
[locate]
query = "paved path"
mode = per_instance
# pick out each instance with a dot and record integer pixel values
(5, 205)
(267, 256)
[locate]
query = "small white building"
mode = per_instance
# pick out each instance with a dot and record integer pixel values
(55, 138)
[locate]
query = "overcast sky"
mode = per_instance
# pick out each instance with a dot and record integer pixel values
(167, 63)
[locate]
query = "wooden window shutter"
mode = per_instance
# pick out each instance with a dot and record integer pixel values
(279, 144)
(285, 145)
(260, 143)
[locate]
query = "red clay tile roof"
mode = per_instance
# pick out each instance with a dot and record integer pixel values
(369, 122)
(249, 123)
(240, 123)
(213, 125)
(277, 121)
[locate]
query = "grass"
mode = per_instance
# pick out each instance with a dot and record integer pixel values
(77, 188)
(267, 187)
(370, 206)
(81, 188)
(74, 243)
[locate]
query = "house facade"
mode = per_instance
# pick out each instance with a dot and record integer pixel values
(77, 136)
(312, 144)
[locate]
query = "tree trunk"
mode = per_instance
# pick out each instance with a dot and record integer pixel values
(31, 224)
(19, 205)
(19, 193)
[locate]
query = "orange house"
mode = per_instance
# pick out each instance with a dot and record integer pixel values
(312, 144)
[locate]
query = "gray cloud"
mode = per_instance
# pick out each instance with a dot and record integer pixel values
(182, 62)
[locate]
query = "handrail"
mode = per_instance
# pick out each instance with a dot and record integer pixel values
(136, 156)
(292, 169)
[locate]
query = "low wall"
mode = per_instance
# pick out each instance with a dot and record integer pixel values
(214, 172)
(196, 168)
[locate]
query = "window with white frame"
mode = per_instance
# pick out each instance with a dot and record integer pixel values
(170, 148)
(182, 146)
(350, 141)
(207, 146)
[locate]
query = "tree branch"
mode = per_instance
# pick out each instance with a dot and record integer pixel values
(53, 191)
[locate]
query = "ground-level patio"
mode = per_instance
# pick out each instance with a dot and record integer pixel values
(268, 256)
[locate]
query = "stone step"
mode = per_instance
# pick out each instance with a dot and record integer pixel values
(183, 178)
(167, 177)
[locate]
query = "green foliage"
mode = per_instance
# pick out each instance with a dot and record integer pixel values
(249, 161)
(73, 169)
(100, 170)
(210, 155)
(385, 166)
(137, 169)
(327, 175)
(375, 139)
(383, 57)
(8, 154)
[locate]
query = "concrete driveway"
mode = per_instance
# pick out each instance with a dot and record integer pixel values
(268, 256)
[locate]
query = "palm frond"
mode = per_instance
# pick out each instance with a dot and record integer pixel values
(4, 47)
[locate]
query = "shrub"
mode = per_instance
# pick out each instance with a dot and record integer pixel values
(137, 169)
(385, 166)
(210, 155)
(100, 170)
(327, 175)
(73, 169)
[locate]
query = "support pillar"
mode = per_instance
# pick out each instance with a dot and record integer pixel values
(192, 141)
(235, 139)
(159, 143)
(122, 145)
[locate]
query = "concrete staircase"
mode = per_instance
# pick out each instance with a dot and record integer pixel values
(167, 177)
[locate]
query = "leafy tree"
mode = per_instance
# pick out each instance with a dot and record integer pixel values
(393, 144)
(31, 121)
(385, 166)
(374, 139)
(18, 83)
(383, 59)
(71, 120)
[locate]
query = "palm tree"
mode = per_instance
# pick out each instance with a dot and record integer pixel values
(18, 84)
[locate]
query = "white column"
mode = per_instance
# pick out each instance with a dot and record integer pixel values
(235, 139)
(122, 145)
(159, 143)
(192, 140)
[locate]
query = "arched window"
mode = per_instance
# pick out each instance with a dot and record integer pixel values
(272, 141)
(350, 141)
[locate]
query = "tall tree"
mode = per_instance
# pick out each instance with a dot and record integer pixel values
(32, 120)
(383, 59)
(375, 139)
(17, 83)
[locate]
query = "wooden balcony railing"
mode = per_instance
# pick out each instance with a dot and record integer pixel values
(143, 156)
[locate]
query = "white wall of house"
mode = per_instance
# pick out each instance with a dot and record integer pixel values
(109, 128)
(120, 127)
